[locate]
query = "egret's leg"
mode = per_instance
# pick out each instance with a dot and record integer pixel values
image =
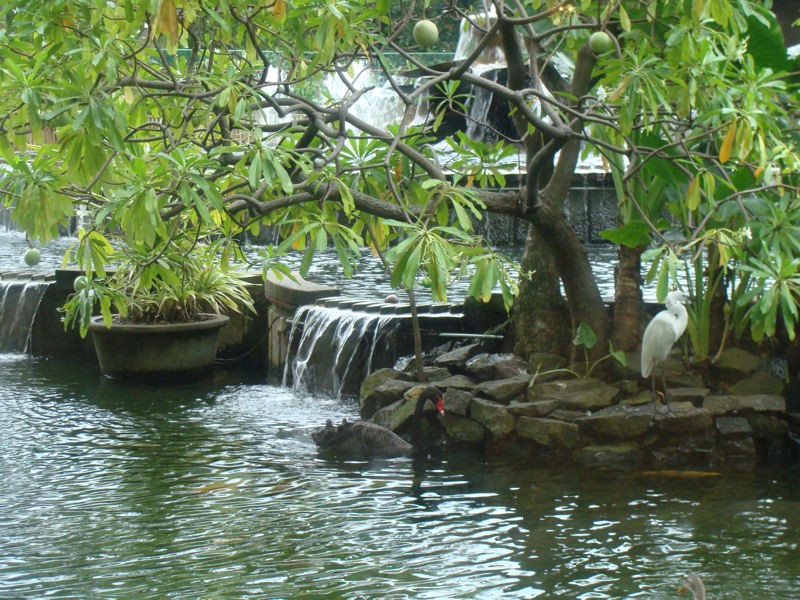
(654, 396)
(664, 385)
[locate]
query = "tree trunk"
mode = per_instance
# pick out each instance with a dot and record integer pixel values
(626, 331)
(546, 188)
(716, 325)
(572, 263)
(541, 320)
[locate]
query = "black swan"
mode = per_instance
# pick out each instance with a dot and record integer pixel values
(692, 583)
(365, 439)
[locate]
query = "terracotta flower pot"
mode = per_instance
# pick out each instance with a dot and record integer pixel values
(158, 350)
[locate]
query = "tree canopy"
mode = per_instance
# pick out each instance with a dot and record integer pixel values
(144, 118)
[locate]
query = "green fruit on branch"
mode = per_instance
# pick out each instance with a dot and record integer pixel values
(32, 257)
(426, 33)
(81, 283)
(600, 42)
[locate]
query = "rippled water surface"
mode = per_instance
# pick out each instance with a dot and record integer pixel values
(216, 491)
(370, 280)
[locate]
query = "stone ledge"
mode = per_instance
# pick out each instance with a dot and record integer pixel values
(290, 294)
(615, 424)
(576, 394)
(719, 405)
(590, 422)
(549, 432)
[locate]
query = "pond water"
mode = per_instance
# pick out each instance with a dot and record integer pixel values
(215, 490)
(370, 281)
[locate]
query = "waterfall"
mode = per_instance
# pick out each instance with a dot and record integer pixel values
(19, 300)
(336, 346)
(478, 109)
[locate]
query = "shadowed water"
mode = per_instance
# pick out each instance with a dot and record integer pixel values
(215, 490)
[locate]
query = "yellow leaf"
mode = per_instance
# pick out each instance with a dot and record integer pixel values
(377, 237)
(279, 9)
(470, 180)
(300, 242)
(167, 21)
(66, 19)
(727, 144)
(616, 94)
(758, 172)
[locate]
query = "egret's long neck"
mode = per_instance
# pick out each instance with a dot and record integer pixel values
(681, 318)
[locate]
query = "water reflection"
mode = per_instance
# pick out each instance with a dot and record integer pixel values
(216, 490)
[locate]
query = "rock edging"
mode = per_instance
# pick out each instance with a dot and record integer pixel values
(488, 401)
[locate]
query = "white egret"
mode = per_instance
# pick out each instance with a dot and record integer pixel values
(660, 335)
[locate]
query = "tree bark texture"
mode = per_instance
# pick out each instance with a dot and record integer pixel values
(547, 185)
(540, 313)
(628, 304)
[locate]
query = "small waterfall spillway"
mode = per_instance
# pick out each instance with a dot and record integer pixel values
(334, 345)
(20, 295)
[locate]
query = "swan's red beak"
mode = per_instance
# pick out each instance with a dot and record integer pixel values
(440, 406)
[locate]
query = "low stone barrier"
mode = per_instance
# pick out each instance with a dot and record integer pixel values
(489, 401)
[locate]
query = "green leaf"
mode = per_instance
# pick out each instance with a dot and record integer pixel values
(633, 234)
(624, 18)
(585, 336)
(305, 263)
(662, 286)
(693, 194)
(254, 171)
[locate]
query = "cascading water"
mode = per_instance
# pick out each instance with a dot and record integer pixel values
(19, 300)
(335, 347)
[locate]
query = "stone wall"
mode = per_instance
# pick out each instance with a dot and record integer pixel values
(489, 401)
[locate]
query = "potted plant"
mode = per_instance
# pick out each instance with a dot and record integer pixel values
(158, 312)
